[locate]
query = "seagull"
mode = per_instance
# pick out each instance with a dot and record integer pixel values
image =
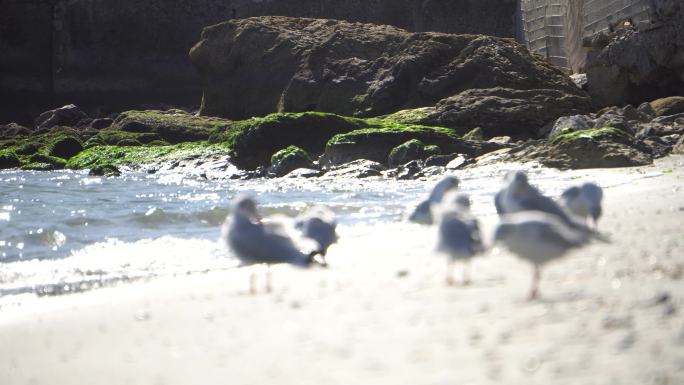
(537, 237)
(459, 233)
(584, 201)
(256, 242)
(519, 195)
(423, 212)
(318, 224)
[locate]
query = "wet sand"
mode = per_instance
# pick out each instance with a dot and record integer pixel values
(382, 314)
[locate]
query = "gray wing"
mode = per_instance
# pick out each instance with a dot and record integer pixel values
(253, 243)
(570, 193)
(498, 202)
(321, 231)
(422, 214)
(458, 235)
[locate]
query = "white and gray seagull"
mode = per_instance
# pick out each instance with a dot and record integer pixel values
(584, 201)
(537, 237)
(518, 195)
(459, 234)
(318, 223)
(423, 212)
(255, 242)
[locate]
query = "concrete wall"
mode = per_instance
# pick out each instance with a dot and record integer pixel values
(116, 54)
(556, 28)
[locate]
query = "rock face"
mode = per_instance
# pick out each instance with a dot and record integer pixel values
(68, 115)
(668, 106)
(595, 148)
(255, 66)
(409, 151)
(640, 65)
(121, 54)
(376, 144)
(504, 111)
(289, 159)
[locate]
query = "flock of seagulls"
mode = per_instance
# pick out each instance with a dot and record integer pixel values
(531, 225)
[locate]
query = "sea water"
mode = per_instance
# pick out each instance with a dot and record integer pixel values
(65, 231)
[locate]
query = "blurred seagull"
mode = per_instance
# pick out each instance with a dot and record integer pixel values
(459, 233)
(584, 201)
(256, 242)
(318, 224)
(423, 212)
(537, 237)
(519, 195)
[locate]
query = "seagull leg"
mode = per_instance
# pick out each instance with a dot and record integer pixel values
(450, 272)
(269, 286)
(534, 293)
(252, 282)
(466, 273)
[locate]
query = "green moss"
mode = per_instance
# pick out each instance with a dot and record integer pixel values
(28, 148)
(104, 170)
(474, 134)
(597, 134)
(115, 137)
(8, 159)
(139, 156)
(42, 161)
(254, 140)
(384, 128)
(411, 116)
(290, 152)
(173, 126)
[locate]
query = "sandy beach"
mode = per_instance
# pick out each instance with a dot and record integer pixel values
(610, 313)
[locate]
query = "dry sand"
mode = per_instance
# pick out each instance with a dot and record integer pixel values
(382, 314)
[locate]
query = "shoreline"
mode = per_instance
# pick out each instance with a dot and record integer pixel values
(610, 313)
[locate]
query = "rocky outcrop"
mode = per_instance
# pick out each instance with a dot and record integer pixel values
(68, 115)
(116, 55)
(376, 144)
(640, 64)
(412, 150)
(498, 111)
(668, 106)
(255, 66)
(289, 159)
(595, 148)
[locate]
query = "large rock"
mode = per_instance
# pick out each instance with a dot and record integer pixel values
(289, 159)
(125, 53)
(253, 141)
(595, 148)
(376, 144)
(67, 115)
(640, 65)
(412, 150)
(13, 129)
(679, 147)
(504, 111)
(251, 67)
(668, 106)
(8, 160)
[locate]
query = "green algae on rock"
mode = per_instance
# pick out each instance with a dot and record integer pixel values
(104, 170)
(139, 156)
(377, 141)
(596, 134)
(414, 149)
(254, 140)
(173, 126)
(595, 148)
(8, 159)
(289, 159)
